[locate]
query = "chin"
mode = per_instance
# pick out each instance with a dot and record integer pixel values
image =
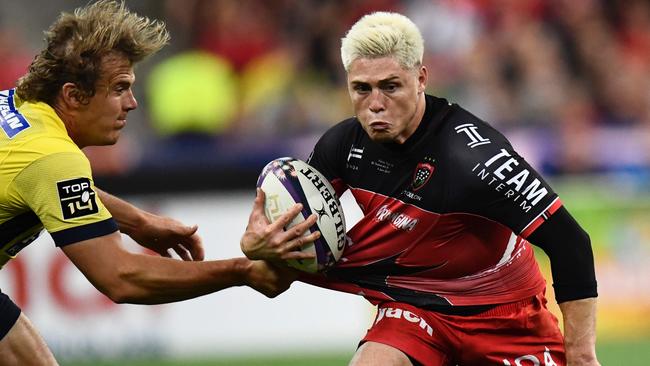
(381, 137)
(110, 141)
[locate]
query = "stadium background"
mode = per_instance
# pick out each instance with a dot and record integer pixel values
(245, 81)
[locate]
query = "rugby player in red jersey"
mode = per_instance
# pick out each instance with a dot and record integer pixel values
(450, 210)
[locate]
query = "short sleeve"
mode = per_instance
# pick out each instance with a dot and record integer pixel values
(494, 181)
(59, 189)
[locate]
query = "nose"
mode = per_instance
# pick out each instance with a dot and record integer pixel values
(376, 101)
(130, 103)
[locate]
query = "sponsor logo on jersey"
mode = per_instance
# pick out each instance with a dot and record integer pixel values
(531, 360)
(397, 219)
(516, 185)
(77, 198)
(421, 175)
(406, 315)
(475, 139)
(11, 121)
(355, 153)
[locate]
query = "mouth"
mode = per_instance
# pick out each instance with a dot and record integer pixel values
(121, 122)
(379, 125)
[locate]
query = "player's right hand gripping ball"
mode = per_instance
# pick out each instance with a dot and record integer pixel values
(287, 181)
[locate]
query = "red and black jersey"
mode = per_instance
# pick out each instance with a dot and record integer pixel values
(446, 214)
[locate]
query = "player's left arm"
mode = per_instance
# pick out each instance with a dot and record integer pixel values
(572, 265)
(511, 192)
(580, 331)
(158, 233)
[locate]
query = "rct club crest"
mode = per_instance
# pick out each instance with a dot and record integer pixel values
(421, 176)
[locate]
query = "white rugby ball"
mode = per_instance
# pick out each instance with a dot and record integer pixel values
(287, 181)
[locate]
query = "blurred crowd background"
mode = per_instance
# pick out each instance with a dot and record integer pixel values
(246, 81)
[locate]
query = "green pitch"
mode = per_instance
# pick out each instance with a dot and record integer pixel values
(258, 360)
(614, 353)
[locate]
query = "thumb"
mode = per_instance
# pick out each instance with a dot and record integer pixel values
(258, 206)
(259, 198)
(190, 230)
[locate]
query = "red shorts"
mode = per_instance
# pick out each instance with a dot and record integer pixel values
(517, 334)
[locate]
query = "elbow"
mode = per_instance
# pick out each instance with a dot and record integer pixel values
(114, 292)
(584, 237)
(120, 296)
(120, 288)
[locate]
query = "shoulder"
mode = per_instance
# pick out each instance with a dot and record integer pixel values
(330, 152)
(467, 129)
(41, 153)
(343, 130)
(339, 136)
(47, 149)
(46, 133)
(469, 140)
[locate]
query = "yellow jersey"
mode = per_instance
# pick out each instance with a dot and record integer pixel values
(45, 180)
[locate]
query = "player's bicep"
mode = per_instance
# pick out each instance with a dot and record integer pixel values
(568, 247)
(98, 258)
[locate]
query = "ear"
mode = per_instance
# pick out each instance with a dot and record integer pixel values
(423, 77)
(70, 96)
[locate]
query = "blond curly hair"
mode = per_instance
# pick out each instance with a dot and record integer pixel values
(77, 42)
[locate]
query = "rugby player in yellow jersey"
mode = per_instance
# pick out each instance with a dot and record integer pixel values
(78, 93)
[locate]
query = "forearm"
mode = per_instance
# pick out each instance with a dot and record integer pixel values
(580, 331)
(127, 216)
(154, 280)
(127, 277)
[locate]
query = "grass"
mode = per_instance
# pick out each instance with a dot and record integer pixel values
(311, 360)
(611, 353)
(627, 353)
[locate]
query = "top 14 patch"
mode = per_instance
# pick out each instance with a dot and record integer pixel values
(77, 198)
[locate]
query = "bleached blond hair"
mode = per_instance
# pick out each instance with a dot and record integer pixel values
(383, 34)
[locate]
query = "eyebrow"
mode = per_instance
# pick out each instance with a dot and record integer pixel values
(382, 81)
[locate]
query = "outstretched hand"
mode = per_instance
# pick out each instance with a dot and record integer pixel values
(270, 241)
(270, 279)
(165, 235)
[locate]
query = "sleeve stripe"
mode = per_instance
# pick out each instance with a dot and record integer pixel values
(543, 216)
(85, 232)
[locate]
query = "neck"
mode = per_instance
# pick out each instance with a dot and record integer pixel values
(68, 121)
(415, 120)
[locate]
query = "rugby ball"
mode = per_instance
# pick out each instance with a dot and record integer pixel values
(287, 181)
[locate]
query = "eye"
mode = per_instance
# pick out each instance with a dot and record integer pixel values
(390, 87)
(361, 88)
(120, 88)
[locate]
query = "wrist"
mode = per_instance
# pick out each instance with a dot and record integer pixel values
(134, 222)
(243, 270)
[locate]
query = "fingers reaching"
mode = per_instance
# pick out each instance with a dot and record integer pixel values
(271, 241)
(293, 248)
(182, 252)
(193, 244)
(190, 230)
(287, 217)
